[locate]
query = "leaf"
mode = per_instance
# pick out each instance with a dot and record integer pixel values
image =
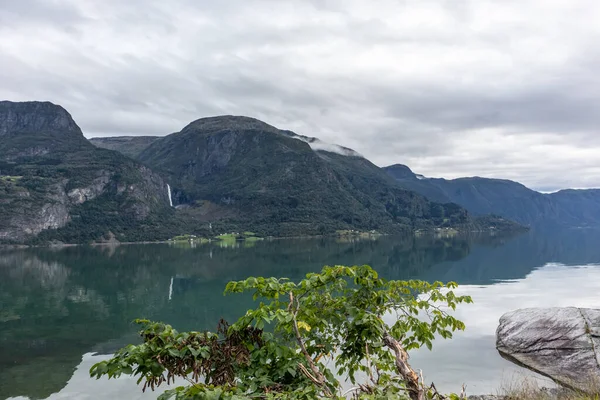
(304, 325)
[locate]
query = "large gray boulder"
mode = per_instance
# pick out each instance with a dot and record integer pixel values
(560, 343)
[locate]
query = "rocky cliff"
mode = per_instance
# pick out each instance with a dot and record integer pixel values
(36, 117)
(55, 183)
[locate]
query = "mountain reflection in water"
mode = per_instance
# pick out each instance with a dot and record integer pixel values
(58, 304)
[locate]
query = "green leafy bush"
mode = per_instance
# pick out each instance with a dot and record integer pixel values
(302, 341)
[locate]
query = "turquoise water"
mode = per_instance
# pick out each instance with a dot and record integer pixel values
(61, 310)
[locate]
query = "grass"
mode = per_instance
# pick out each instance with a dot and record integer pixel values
(349, 236)
(228, 238)
(189, 238)
(231, 238)
(10, 179)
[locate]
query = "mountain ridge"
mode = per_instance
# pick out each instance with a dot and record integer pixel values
(479, 195)
(507, 198)
(278, 184)
(35, 116)
(223, 174)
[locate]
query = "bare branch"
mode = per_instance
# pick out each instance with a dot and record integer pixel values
(414, 386)
(317, 376)
(369, 368)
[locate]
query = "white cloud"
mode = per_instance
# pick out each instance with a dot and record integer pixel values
(452, 88)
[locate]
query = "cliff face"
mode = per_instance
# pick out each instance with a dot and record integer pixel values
(53, 181)
(28, 117)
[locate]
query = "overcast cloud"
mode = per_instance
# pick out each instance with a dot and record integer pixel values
(495, 88)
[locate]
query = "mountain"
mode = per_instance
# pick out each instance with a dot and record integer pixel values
(54, 184)
(577, 207)
(131, 146)
(509, 199)
(223, 174)
(260, 178)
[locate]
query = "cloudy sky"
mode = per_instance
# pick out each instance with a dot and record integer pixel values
(495, 88)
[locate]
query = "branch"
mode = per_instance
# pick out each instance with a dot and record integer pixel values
(317, 376)
(369, 368)
(414, 386)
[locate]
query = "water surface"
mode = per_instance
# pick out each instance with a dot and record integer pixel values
(61, 310)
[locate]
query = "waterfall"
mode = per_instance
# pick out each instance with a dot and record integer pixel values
(169, 193)
(171, 289)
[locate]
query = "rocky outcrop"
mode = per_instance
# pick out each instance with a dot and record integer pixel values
(51, 177)
(97, 187)
(560, 343)
(35, 116)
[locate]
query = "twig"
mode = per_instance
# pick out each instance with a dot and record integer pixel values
(354, 389)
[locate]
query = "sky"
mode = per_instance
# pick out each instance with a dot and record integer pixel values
(494, 88)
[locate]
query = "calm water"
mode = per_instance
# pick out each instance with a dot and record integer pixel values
(61, 310)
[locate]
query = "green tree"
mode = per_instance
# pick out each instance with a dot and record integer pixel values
(302, 341)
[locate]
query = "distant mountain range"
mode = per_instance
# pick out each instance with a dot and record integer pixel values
(480, 196)
(218, 174)
(228, 173)
(278, 183)
(512, 200)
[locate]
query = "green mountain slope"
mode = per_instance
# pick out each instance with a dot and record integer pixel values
(131, 146)
(54, 184)
(257, 177)
(509, 199)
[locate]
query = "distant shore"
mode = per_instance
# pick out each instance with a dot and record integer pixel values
(436, 232)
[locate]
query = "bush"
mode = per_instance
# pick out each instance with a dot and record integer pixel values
(277, 350)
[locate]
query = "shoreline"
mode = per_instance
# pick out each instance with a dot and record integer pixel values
(445, 232)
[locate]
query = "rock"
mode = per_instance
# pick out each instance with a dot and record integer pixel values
(96, 188)
(35, 116)
(560, 343)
